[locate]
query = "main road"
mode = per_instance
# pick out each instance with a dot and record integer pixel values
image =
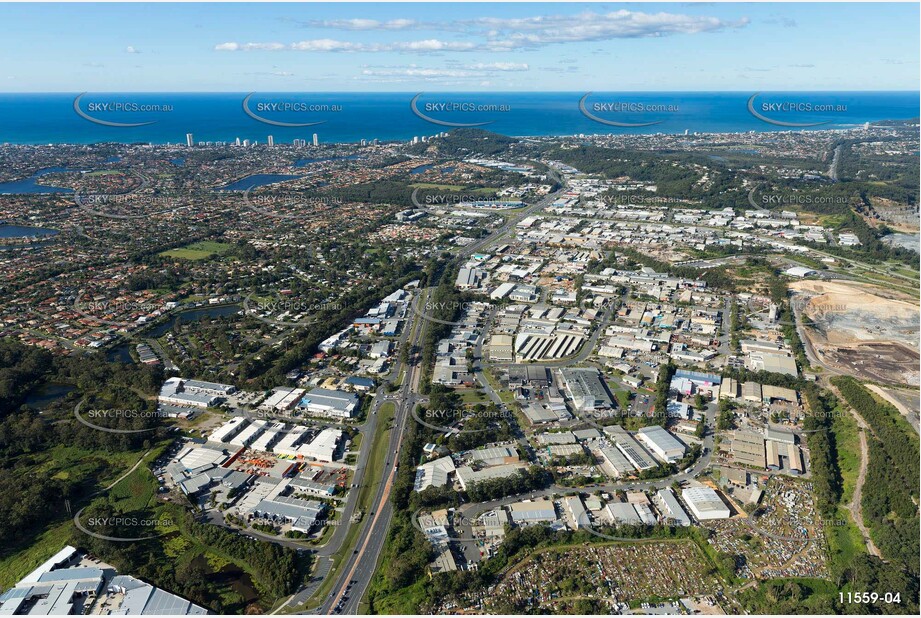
(353, 580)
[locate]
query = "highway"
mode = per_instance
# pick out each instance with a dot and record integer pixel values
(353, 579)
(358, 567)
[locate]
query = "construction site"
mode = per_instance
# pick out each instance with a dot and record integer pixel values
(861, 330)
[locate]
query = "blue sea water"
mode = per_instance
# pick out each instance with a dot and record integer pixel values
(351, 117)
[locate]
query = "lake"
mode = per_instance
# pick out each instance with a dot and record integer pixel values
(24, 231)
(30, 184)
(257, 180)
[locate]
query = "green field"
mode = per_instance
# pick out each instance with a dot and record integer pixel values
(198, 251)
(847, 441)
(18, 565)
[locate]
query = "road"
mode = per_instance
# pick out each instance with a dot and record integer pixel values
(323, 556)
(833, 168)
(352, 582)
(854, 507)
(355, 575)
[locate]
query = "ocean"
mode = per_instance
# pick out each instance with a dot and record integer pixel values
(351, 117)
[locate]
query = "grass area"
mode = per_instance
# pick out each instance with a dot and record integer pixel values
(73, 462)
(472, 396)
(379, 448)
(844, 541)
(134, 492)
(198, 251)
(18, 565)
(404, 601)
(623, 399)
(506, 396)
(105, 173)
(847, 441)
(816, 591)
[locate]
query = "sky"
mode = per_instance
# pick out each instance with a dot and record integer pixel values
(404, 47)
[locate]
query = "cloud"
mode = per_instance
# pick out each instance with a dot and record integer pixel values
(332, 45)
(132, 50)
(364, 24)
(498, 66)
(786, 22)
(491, 34)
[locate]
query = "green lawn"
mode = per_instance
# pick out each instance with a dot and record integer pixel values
(198, 251)
(472, 396)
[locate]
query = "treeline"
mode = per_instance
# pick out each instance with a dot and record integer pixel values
(675, 175)
(871, 248)
(110, 394)
(22, 368)
(482, 424)
(273, 363)
(777, 289)
(890, 507)
(277, 571)
(525, 480)
(464, 142)
(444, 303)
(714, 277)
(826, 475)
(862, 572)
(663, 386)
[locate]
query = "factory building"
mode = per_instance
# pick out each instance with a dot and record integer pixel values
(467, 476)
(705, 503)
(330, 403)
(632, 450)
(662, 443)
(671, 510)
(433, 473)
(614, 463)
(586, 389)
(532, 512)
(301, 514)
(228, 430)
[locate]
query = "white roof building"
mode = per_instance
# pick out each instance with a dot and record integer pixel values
(662, 443)
(705, 503)
(433, 473)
